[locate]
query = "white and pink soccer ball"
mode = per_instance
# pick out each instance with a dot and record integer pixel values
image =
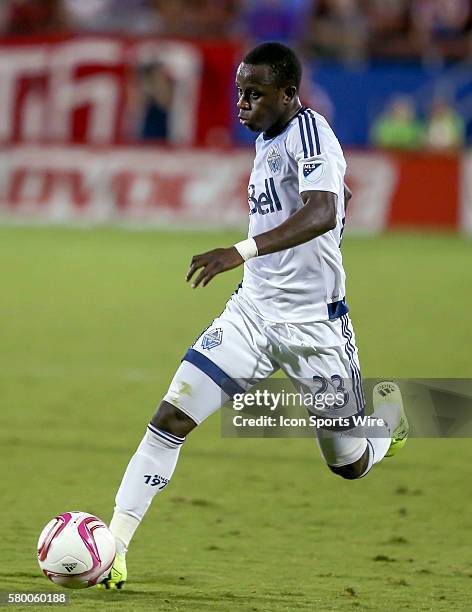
(76, 550)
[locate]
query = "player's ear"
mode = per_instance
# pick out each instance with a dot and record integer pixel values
(289, 93)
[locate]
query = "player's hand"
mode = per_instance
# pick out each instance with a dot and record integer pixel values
(213, 263)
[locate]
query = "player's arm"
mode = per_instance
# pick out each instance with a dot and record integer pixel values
(317, 217)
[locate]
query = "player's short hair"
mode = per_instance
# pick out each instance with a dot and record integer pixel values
(282, 60)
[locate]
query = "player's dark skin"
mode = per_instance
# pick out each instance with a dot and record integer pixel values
(264, 106)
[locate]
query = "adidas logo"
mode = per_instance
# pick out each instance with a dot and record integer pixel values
(69, 566)
(385, 389)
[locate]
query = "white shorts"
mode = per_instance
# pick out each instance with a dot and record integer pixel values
(240, 348)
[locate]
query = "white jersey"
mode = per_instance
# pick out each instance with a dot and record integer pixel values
(307, 282)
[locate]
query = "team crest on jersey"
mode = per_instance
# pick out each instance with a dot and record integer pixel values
(309, 170)
(212, 338)
(274, 160)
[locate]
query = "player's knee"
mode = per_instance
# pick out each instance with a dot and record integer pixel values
(352, 471)
(171, 419)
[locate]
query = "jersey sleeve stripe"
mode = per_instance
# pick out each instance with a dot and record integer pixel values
(315, 131)
(312, 131)
(308, 131)
(300, 125)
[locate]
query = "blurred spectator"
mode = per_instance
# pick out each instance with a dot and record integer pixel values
(34, 17)
(346, 30)
(5, 10)
(153, 92)
(197, 18)
(182, 18)
(419, 29)
(398, 127)
(127, 16)
(445, 129)
(444, 26)
(280, 20)
(338, 30)
(390, 31)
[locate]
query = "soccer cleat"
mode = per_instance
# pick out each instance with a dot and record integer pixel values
(116, 578)
(389, 393)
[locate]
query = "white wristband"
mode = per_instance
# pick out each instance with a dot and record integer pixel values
(247, 248)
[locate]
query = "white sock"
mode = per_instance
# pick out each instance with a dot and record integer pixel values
(123, 527)
(379, 445)
(148, 473)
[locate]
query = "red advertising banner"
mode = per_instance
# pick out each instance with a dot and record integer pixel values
(209, 187)
(406, 190)
(427, 193)
(129, 183)
(109, 90)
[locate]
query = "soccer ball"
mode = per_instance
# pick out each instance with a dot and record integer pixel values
(76, 550)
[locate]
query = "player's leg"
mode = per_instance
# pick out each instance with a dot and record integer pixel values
(229, 348)
(152, 465)
(391, 429)
(382, 440)
(388, 414)
(334, 359)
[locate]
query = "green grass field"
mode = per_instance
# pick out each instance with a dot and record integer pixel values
(93, 326)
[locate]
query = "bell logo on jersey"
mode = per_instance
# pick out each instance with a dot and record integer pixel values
(266, 202)
(312, 171)
(274, 160)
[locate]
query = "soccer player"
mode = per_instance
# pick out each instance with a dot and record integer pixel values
(290, 311)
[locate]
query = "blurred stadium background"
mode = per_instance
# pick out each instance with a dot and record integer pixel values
(126, 109)
(122, 112)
